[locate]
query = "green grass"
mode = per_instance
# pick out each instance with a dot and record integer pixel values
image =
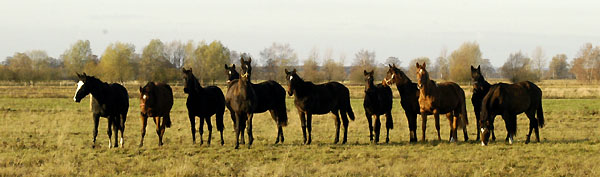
(52, 137)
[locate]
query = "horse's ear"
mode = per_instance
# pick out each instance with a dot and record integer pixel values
(249, 59)
(141, 89)
(472, 68)
(394, 65)
(84, 74)
(294, 71)
(479, 67)
(424, 65)
(372, 72)
(390, 65)
(286, 71)
(226, 67)
(418, 66)
(365, 72)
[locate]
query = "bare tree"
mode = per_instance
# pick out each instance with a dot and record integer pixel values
(412, 70)
(363, 60)
(559, 68)
(518, 68)
(538, 58)
(276, 58)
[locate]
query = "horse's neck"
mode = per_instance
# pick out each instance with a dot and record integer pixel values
(369, 85)
(303, 90)
(429, 89)
(100, 92)
(485, 86)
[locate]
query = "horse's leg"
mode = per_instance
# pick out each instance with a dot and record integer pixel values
(437, 125)
(532, 124)
(455, 127)
(510, 122)
(309, 127)
(345, 121)
(116, 123)
(412, 125)
(389, 124)
(377, 128)
(493, 118)
(209, 127)
(369, 119)
(477, 111)
(157, 122)
(250, 137)
(201, 130)
(123, 119)
(303, 123)
(238, 126)
(337, 126)
(109, 131)
(423, 125)
(193, 126)
(144, 123)
(96, 118)
(274, 116)
(219, 116)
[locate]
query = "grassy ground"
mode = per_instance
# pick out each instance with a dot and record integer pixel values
(52, 137)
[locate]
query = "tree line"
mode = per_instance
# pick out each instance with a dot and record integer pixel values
(159, 61)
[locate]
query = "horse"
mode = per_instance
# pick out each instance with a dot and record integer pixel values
(509, 100)
(378, 101)
(203, 103)
(409, 97)
(241, 102)
(480, 88)
(443, 98)
(156, 100)
(324, 98)
(108, 100)
(270, 96)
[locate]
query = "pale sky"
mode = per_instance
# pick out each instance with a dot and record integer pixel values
(404, 29)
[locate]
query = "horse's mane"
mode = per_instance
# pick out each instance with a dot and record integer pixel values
(402, 74)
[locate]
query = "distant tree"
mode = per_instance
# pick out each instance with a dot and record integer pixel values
(44, 67)
(276, 58)
(213, 56)
(518, 68)
(332, 70)
(363, 60)
(538, 59)
(75, 57)
(393, 61)
(412, 69)
(115, 64)
(559, 68)
(460, 59)
(21, 67)
(176, 54)
(486, 68)
(441, 69)
(586, 66)
(310, 69)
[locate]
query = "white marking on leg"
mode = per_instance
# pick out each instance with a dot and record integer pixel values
(121, 142)
(109, 144)
(482, 144)
(79, 85)
(510, 140)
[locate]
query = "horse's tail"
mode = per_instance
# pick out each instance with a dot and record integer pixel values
(540, 115)
(349, 109)
(282, 118)
(167, 121)
(219, 120)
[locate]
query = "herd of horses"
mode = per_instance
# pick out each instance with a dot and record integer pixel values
(244, 98)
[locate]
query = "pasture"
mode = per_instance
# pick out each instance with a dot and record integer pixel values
(44, 133)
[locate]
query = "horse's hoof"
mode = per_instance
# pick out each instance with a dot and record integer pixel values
(387, 140)
(452, 140)
(237, 147)
(510, 140)
(483, 144)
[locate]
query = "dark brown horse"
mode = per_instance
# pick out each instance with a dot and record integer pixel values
(270, 96)
(108, 100)
(241, 102)
(443, 98)
(203, 103)
(378, 101)
(480, 88)
(509, 100)
(320, 99)
(156, 100)
(409, 97)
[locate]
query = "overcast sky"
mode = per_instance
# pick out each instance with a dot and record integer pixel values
(404, 29)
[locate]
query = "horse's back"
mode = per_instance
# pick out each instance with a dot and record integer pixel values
(164, 95)
(121, 97)
(269, 94)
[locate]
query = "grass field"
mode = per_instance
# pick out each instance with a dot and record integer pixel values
(50, 135)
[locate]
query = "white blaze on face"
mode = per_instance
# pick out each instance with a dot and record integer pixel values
(482, 130)
(229, 72)
(144, 97)
(291, 77)
(79, 84)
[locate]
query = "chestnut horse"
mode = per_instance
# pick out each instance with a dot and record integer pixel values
(241, 102)
(156, 100)
(443, 98)
(203, 103)
(509, 100)
(108, 100)
(378, 101)
(409, 97)
(324, 98)
(480, 88)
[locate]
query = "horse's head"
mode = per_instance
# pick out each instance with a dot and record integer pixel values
(190, 80)
(368, 78)
(293, 81)
(83, 87)
(422, 75)
(476, 76)
(147, 98)
(486, 119)
(232, 74)
(246, 66)
(394, 75)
